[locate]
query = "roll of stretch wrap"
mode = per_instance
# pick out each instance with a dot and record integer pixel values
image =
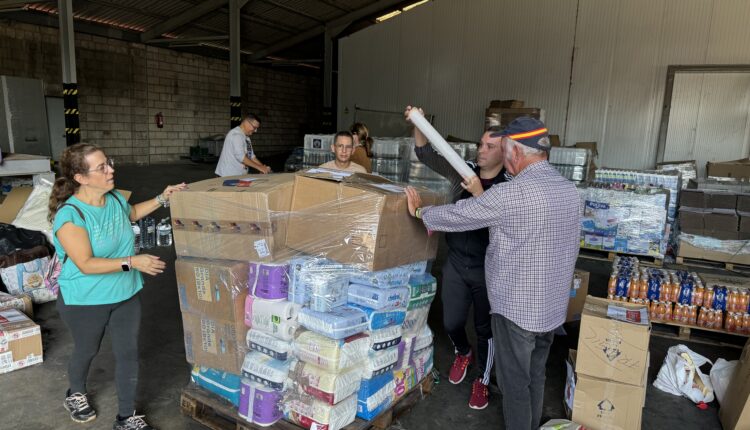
(440, 144)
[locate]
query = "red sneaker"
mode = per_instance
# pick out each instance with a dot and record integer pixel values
(459, 368)
(480, 395)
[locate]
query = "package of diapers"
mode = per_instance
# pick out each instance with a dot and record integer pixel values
(405, 349)
(311, 413)
(388, 278)
(260, 368)
(385, 338)
(422, 289)
(278, 318)
(329, 387)
(375, 396)
(327, 296)
(225, 385)
(268, 344)
(415, 320)
(380, 362)
(333, 355)
(421, 362)
(404, 380)
(260, 404)
(379, 298)
(340, 323)
(382, 318)
(308, 274)
(423, 339)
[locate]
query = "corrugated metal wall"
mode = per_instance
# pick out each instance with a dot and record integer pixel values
(452, 57)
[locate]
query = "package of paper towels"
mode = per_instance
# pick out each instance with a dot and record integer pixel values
(278, 318)
(334, 355)
(260, 404)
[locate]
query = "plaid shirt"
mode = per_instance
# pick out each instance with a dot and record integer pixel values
(534, 224)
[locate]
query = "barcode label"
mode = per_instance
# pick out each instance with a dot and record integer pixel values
(6, 360)
(262, 248)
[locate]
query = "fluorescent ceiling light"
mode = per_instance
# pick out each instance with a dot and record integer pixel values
(413, 5)
(388, 16)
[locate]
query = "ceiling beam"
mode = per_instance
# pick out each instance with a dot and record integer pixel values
(370, 9)
(334, 5)
(172, 40)
(293, 10)
(184, 18)
(8, 4)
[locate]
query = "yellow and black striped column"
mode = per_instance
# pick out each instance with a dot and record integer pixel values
(72, 121)
(235, 110)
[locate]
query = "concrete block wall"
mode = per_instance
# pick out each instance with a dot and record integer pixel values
(122, 86)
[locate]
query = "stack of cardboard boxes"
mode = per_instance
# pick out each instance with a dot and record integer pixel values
(611, 365)
(734, 412)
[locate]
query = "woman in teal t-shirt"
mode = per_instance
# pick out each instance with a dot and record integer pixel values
(100, 277)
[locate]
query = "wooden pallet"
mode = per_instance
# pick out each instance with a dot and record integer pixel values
(218, 414)
(687, 333)
(596, 254)
(709, 264)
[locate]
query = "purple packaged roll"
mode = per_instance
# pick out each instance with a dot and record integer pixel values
(269, 281)
(259, 404)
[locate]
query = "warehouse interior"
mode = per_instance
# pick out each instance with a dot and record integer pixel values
(647, 108)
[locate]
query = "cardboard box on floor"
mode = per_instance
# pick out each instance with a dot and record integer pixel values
(21, 341)
(358, 219)
(22, 302)
(609, 348)
(734, 412)
(689, 250)
(210, 220)
(603, 404)
(579, 289)
(729, 169)
(214, 343)
(212, 288)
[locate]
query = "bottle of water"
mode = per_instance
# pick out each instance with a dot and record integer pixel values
(149, 236)
(164, 233)
(137, 232)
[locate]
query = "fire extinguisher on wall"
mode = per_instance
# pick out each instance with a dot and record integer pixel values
(159, 120)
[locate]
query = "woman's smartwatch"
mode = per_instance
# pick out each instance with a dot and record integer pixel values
(125, 265)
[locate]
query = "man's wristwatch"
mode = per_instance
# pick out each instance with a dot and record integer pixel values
(162, 201)
(418, 213)
(125, 265)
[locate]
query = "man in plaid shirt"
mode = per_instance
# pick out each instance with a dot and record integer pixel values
(534, 225)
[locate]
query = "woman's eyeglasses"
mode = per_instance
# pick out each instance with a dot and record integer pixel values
(102, 168)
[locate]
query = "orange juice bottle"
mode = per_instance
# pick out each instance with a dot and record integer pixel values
(710, 319)
(744, 301)
(612, 286)
(746, 323)
(698, 293)
(692, 319)
(668, 311)
(730, 324)
(702, 317)
(708, 297)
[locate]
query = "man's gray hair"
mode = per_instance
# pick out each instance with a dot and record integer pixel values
(529, 151)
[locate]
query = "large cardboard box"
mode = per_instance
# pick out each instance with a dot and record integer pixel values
(579, 289)
(743, 202)
(730, 169)
(734, 412)
(610, 348)
(721, 220)
(693, 199)
(20, 341)
(603, 404)
(721, 200)
(358, 219)
(692, 219)
(212, 288)
(215, 343)
(248, 223)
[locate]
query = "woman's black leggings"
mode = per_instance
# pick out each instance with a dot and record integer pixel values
(86, 324)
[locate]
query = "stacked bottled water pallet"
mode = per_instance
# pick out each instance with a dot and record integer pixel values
(572, 163)
(670, 180)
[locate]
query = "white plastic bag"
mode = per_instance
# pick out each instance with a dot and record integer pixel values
(33, 214)
(721, 374)
(681, 375)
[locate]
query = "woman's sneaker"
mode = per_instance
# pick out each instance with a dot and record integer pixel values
(78, 406)
(134, 422)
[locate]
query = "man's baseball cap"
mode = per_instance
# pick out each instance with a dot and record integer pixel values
(526, 131)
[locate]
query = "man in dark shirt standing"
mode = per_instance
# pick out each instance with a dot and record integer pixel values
(463, 273)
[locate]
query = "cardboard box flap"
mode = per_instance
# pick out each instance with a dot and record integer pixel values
(344, 176)
(13, 203)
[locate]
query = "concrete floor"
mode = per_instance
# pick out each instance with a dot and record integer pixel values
(32, 398)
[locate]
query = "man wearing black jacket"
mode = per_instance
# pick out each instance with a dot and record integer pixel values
(463, 274)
